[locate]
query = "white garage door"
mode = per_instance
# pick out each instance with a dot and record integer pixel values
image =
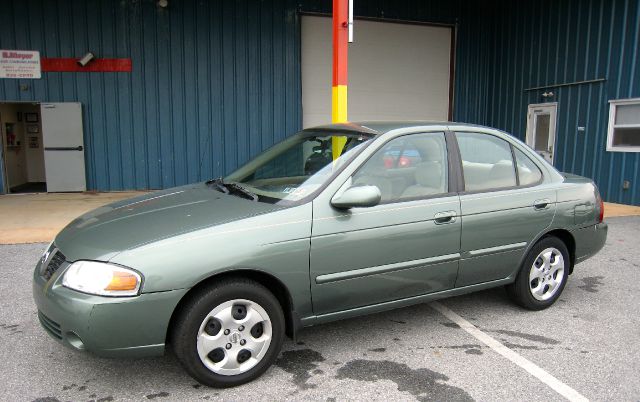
(396, 71)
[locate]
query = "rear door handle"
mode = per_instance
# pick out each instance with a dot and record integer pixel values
(541, 204)
(442, 218)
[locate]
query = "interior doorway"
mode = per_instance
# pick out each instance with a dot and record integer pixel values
(23, 151)
(541, 129)
(42, 147)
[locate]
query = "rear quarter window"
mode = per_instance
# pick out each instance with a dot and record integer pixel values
(528, 171)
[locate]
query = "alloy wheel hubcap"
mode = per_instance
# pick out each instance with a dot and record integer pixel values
(546, 274)
(234, 337)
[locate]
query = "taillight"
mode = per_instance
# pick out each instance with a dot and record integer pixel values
(599, 201)
(601, 216)
(404, 161)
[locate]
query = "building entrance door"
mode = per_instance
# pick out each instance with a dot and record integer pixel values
(63, 146)
(541, 129)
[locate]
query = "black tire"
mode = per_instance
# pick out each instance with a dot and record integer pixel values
(184, 331)
(520, 291)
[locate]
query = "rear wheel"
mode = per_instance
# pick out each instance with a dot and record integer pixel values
(229, 333)
(543, 275)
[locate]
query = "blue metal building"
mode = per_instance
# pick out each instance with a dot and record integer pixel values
(215, 82)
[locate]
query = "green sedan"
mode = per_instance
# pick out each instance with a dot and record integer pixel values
(334, 222)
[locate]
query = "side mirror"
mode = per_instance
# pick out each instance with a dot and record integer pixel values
(358, 196)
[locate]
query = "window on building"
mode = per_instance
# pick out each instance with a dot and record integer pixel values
(408, 167)
(624, 125)
(487, 162)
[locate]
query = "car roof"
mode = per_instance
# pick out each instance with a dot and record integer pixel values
(381, 127)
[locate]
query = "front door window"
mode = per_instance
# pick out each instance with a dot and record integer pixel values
(408, 167)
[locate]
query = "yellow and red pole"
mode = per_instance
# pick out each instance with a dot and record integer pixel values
(340, 53)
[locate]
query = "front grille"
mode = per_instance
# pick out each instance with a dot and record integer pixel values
(51, 326)
(54, 263)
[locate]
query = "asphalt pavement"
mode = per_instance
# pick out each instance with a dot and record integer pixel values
(589, 341)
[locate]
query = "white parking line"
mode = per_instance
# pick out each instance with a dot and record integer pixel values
(536, 371)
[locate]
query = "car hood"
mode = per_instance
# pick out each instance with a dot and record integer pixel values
(105, 232)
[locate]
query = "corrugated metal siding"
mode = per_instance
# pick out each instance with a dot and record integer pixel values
(213, 82)
(550, 42)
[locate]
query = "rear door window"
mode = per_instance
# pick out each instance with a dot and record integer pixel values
(487, 162)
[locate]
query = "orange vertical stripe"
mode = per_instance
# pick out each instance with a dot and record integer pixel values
(340, 52)
(340, 41)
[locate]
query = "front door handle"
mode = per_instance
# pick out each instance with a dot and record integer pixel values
(442, 218)
(541, 204)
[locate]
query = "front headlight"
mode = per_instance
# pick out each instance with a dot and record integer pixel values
(102, 279)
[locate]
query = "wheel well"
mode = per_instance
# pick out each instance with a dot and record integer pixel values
(271, 283)
(569, 241)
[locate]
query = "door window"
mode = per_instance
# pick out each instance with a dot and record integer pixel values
(487, 162)
(408, 167)
(542, 132)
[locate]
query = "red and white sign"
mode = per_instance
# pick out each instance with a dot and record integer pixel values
(19, 64)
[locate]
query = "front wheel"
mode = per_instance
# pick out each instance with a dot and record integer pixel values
(543, 275)
(229, 333)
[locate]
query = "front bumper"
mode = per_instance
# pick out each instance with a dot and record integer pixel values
(106, 326)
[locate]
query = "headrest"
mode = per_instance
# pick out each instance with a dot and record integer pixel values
(429, 174)
(430, 148)
(502, 169)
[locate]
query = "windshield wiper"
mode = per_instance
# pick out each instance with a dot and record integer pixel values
(243, 191)
(218, 184)
(227, 188)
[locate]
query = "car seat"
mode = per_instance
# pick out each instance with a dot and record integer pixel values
(429, 180)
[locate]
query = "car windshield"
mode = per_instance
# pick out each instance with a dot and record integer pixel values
(298, 166)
